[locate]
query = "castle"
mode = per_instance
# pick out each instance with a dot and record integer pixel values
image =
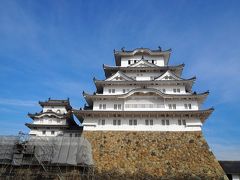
(143, 121)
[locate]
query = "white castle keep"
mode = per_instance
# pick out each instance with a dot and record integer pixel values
(55, 119)
(143, 93)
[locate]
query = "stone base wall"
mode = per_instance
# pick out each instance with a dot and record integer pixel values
(153, 155)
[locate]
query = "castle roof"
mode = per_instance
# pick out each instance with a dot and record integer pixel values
(142, 51)
(56, 102)
(188, 83)
(48, 113)
(202, 114)
(109, 70)
(146, 91)
(230, 167)
(31, 125)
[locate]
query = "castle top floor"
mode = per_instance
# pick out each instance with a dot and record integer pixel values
(127, 58)
(57, 106)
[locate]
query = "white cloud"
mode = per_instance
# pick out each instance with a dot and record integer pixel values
(226, 151)
(17, 102)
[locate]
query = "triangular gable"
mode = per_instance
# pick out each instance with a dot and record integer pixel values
(143, 63)
(168, 76)
(119, 76)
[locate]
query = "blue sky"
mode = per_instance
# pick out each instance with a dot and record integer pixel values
(54, 48)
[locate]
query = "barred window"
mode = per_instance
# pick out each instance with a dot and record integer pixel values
(182, 122)
(119, 106)
(135, 122)
(104, 106)
(146, 122)
(165, 122)
(119, 122)
(103, 122)
(151, 122)
(130, 122)
(189, 106)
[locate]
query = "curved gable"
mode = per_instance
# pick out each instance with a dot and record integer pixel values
(143, 92)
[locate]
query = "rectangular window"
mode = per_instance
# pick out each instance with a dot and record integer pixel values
(169, 106)
(129, 61)
(119, 106)
(174, 106)
(124, 90)
(146, 122)
(119, 122)
(151, 122)
(135, 122)
(179, 122)
(185, 106)
(114, 122)
(52, 132)
(109, 90)
(174, 90)
(130, 122)
(104, 106)
(178, 90)
(164, 90)
(113, 90)
(100, 106)
(135, 61)
(189, 106)
(184, 122)
(153, 62)
(167, 122)
(103, 122)
(163, 122)
(43, 132)
(115, 106)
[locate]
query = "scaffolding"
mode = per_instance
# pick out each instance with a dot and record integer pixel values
(46, 156)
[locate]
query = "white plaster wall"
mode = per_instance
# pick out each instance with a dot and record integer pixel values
(118, 89)
(169, 88)
(38, 132)
(55, 109)
(159, 59)
(158, 104)
(143, 76)
(109, 105)
(92, 124)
